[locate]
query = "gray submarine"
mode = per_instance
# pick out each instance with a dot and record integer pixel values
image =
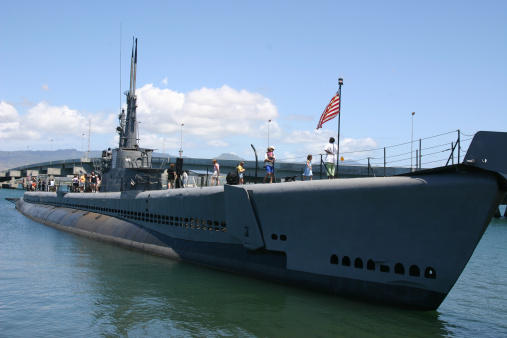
(401, 240)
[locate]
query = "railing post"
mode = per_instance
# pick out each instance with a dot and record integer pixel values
(321, 166)
(420, 154)
(452, 153)
(384, 161)
(459, 145)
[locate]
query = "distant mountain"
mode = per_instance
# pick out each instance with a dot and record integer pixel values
(14, 159)
(228, 156)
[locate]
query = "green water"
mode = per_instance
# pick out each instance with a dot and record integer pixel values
(55, 284)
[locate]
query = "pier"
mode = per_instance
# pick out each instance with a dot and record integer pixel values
(283, 170)
(200, 171)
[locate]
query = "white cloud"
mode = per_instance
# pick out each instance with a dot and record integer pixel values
(12, 127)
(313, 142)
(54, 122)
(55, 119)
(217, 143)
(207, 113)
(165, 81)
(7, 112)
(225, 119)
(45, 86)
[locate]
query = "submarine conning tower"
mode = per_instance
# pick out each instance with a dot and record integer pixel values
(130, 166)
(128, 124)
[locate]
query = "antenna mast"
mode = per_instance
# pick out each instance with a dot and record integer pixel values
(89, 133)
(128, 132)
(120, 62)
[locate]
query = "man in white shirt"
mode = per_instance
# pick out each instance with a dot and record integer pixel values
(331, 157)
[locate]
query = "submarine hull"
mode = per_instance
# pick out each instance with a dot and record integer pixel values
(395, 240)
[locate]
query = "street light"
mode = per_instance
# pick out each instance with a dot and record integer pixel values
(412, 141)
(268, 132)
(51, 152)
(82, 137)
(340, 84)
(181, 144)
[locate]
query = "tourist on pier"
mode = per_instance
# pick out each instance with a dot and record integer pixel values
(216, 172)
(75, 184)
(109, 153)
(171, 176)
(93, 182)
(240, 172)
(184, 179)
(308, 169)
(269, 162)
(82, 183)
(331, 157)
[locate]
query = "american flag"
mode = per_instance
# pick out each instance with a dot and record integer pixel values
(332, 109)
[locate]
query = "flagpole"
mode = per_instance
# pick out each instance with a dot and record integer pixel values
(340, 83)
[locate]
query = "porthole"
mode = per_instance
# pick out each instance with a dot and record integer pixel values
(358, 263)
(399, 269)
(274, 237)
(334, 260)
(283, 237)
(346, 261)
(370, 265)
(430, 273)
(384, 268)
(414, 271)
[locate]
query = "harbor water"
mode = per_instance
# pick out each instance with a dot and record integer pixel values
(57, 284)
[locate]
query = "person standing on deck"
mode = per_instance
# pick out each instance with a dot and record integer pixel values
(216, 172)
(332, 156)
(308, 169)
(269, 162)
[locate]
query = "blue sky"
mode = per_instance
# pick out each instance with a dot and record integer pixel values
(225, 68)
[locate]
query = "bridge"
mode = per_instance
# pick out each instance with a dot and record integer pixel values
(69, 168)
(200, 171)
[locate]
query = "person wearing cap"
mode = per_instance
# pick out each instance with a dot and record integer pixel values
(331, 158)
(269, 162)
(93, 182)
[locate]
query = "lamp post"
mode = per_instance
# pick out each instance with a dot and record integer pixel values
(268, 131)
(412, 142)
(181, 141)
(26, 161)
(340, 83)
(51, 152)
(82, 138)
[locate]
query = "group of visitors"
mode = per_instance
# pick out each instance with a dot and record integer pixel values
(40, 185)
(83, 183)
(172, 176)
(330, 161)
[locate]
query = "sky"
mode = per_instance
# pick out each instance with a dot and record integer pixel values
(216, 77)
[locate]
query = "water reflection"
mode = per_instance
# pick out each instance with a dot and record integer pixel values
(138, 294)
(54, 283)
